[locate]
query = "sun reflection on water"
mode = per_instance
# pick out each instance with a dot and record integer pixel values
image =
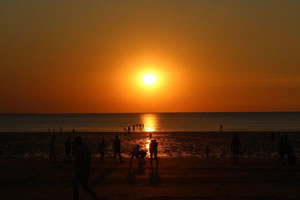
(150, 122)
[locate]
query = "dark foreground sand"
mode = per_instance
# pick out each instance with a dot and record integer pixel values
(173, 179)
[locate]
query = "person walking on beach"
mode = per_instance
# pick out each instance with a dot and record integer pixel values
(52, 148)
(68, 147)
(235, 147)
(117, 148)
(82, 168)
(101, 149)
(221, 128)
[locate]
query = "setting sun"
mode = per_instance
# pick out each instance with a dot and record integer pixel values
(149, 79)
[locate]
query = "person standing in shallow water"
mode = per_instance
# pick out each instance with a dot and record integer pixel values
(82, 168)
(52, 156)
(153, 150)
(117, 148)
(235, 147)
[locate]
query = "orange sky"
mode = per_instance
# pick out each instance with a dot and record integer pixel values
(58, 57)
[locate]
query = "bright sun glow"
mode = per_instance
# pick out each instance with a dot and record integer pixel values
(149, 79)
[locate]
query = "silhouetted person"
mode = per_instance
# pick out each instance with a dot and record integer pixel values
(150, 135)
(135, 153)
(82, 168)
(68, 146)
(101, 149)
(117, 148)
(207, 151)
(235, 147)
(128, 129)
(221, 128)
(153, 149)
(133, 128)
(60, 130)
(52, 148)
(291, 155)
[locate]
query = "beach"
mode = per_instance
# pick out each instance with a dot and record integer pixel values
(174, 178)
(183, 171)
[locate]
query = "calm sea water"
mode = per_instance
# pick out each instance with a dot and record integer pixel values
(289, 121)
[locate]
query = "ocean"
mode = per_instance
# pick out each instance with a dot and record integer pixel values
(153, 122)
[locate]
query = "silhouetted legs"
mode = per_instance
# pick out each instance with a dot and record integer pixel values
(153, 154)
(52, 157)
(117, 152)
(86, 188)
(102, 156)
(235, 154)
(67, 158)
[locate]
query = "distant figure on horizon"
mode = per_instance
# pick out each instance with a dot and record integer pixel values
(68, 147)
(235, 147)
(133, 128)
(153, 150)
(128, 129)
(221, 128)
(60, 129)
(101, 149)
(150, 135)
(52, 156)
(82, 168)
(117, 148)
(207, 151)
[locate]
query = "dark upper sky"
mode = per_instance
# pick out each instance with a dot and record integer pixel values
(62, 56)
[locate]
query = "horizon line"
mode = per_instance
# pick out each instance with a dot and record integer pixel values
(94, 113)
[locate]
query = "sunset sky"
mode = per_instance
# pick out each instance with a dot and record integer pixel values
(207, 56)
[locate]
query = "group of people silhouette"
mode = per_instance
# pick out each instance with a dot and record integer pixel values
(77, 149)
(127, 129)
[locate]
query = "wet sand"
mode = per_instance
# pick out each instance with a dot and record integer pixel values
(174, 178)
